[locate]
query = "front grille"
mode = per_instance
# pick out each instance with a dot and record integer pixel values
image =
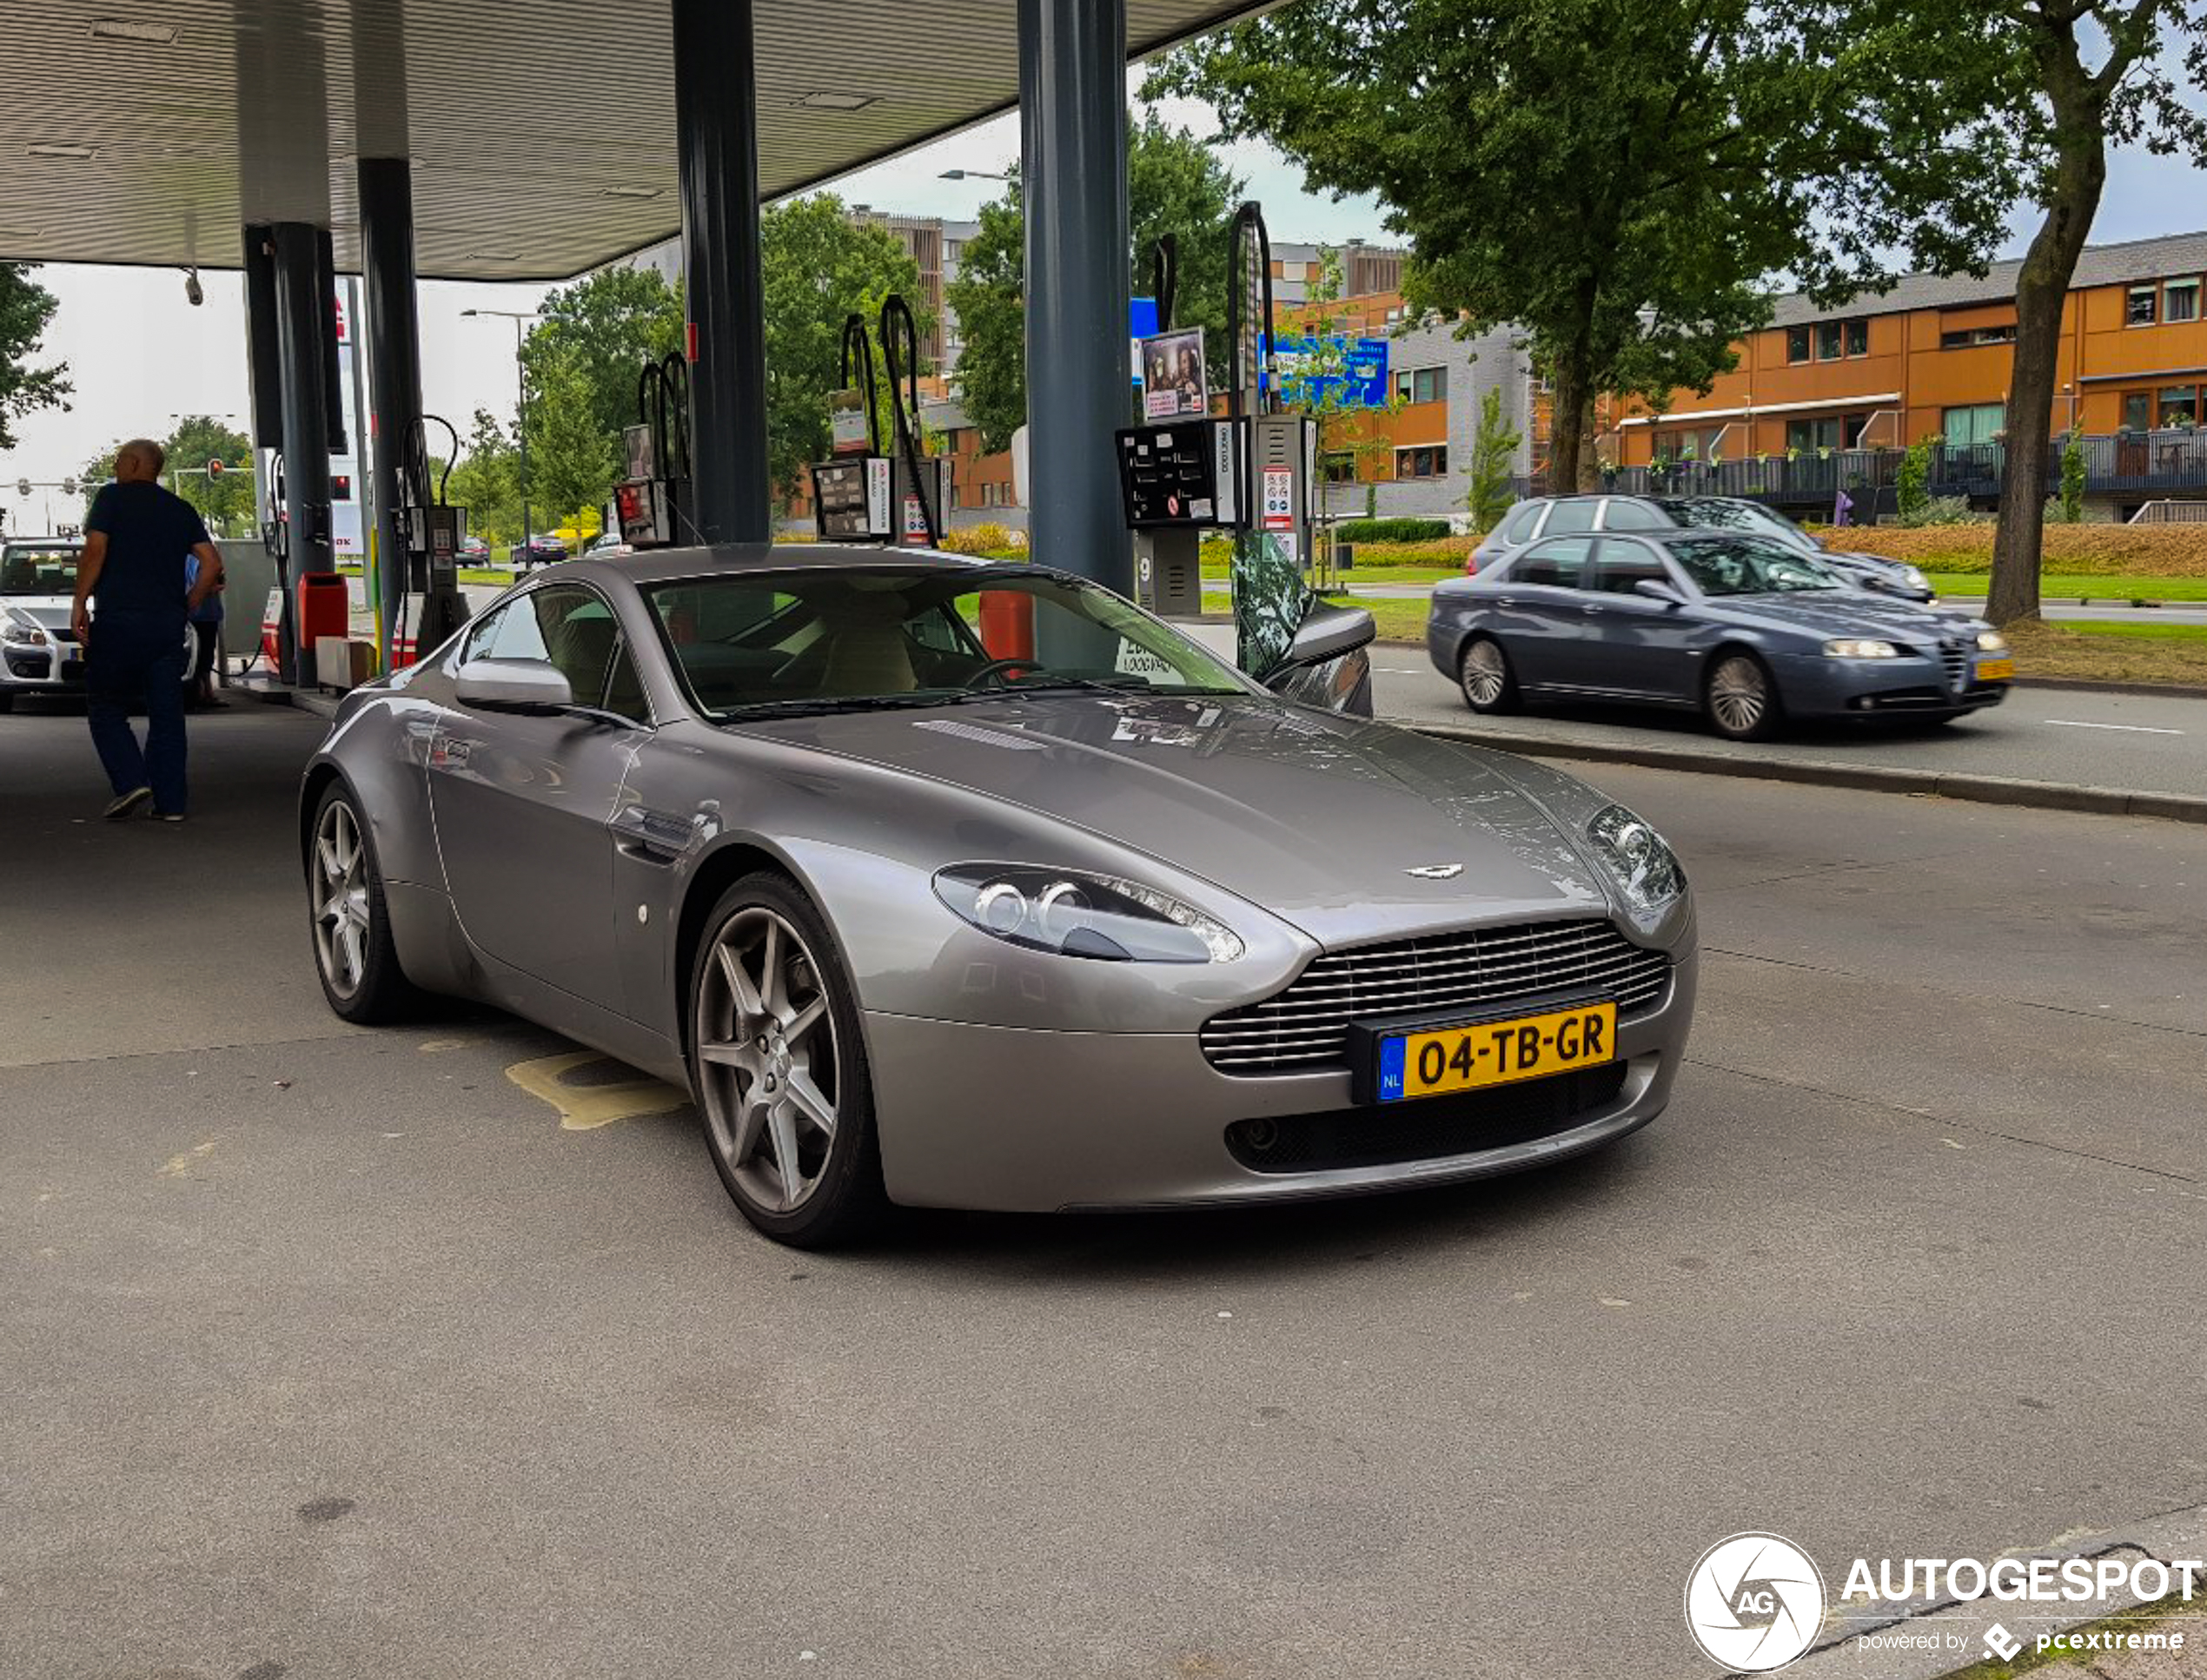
(1424, 1128)
(1954, 654)
(1305, 1028)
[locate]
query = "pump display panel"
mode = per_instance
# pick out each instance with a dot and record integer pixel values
(1168, 474)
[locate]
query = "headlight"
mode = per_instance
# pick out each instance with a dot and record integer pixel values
(20, 630)
(1636, 857)
(1849, 648)
(1075, 914)
(1991, 641)
(1913, 576)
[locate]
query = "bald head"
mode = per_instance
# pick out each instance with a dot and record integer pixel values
(140, 461)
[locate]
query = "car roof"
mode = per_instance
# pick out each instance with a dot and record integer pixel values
(659, 566)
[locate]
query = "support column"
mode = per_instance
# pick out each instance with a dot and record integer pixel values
(716, 118)
(302, 321)
(394, 359)
(1072, 177)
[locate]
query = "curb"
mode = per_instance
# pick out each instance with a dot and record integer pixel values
(1874, 779)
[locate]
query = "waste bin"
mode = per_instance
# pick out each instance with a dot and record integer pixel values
(325, 610)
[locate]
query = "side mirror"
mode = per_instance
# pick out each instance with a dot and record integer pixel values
(1656, 590)
(1327, 634)
(523, 686)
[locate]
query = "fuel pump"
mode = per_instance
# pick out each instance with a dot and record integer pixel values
(651, 502)
(919, 484)
(1168, 557)
(433, 531)
(850, 496)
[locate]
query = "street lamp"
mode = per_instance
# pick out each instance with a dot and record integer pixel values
(971, 175)
(521, 408)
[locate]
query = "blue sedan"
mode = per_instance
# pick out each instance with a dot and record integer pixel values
(1743, 628)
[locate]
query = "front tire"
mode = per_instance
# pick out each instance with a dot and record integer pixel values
(1741, 698)
(354, 953)
(779, 1068)
(1490, 685)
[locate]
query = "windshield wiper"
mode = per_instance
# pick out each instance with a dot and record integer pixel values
(1044, 684)
(822, 707)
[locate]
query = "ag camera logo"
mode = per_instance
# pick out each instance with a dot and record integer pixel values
(1755, 1603)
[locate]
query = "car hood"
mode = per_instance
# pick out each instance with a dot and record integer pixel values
(1837, 612)
(1317, 818)
(49, 611)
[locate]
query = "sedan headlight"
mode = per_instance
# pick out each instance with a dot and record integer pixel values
(1914, 577)
(1853, 648)
(1072, 913)
(1637, 858)
(21, 630)
(1991, 641)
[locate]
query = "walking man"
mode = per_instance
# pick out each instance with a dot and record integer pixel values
(137, 538)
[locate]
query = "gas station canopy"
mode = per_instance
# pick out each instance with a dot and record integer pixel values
(542, 132)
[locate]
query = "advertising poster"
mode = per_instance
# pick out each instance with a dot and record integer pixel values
(1173, 379)
(847, 421)
(1268, 598)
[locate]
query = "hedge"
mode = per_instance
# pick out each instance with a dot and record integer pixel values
(1390, 531)
(2151, 551)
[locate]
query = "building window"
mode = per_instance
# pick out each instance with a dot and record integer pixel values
(2140, 313)
(1836, 432)
(2137, 411)
(1422, 385)
(2180, 405)
(1968, 336)
(1858, 338)
(1338, 469)
(2180, 301)
(1830, 340)
(1427, 461)
(1797, 344)
(1980, 422)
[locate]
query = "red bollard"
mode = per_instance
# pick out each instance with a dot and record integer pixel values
(1007, 624)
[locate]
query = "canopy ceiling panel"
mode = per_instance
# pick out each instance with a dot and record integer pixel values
(542, 131)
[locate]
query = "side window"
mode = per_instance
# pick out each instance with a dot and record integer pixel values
(1522, 524)
(1624, 565)
(1622, 514)
(625, 687)
(1574, 515)
(566, 624)
(1557, 562)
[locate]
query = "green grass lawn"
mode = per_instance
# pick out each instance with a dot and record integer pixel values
(2057, 588)
(2196, 633)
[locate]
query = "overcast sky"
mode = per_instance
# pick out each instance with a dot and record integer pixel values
(140, 355)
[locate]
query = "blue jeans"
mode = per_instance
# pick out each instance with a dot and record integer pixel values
(137, 658)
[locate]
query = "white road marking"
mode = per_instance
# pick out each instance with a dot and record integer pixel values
(2128, 729)
(1397, 671)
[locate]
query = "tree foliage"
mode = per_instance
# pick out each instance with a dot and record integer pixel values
(224, 500)
(602, 329)
(818, 267)
(487, 480)
(572, 459)
(26, 307)
(1618, 182)
(1175, 184)
(1494, 451)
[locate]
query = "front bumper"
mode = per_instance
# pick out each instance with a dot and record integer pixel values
(1812, 686)
(1026, 1120)
(57, 667)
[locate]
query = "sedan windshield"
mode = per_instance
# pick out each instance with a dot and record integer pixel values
(1750, 566)
(29, 569)
(1723, 513)
(839, 638)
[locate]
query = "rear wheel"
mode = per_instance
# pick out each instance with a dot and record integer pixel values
(779, 1070)
(1741, 699)
(1490, 685)
(354, 953)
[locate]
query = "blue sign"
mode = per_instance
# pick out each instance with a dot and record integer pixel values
(1355, 374)
(1141, 323)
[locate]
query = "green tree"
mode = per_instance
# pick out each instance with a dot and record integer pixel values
(606, 326)
(1494, 452)
(571, 461)
(1175, 184)
(1617, 183)
(487, 481)
(2071, 78)
(819, 266)
(26, 307)
(2072, 480)
(1911, 482)
(224, 500)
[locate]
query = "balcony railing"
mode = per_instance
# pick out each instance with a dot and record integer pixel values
(2140, 463)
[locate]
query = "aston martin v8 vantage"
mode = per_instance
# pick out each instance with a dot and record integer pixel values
(944, 882)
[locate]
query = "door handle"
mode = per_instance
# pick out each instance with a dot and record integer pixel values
(1509, 601)
(1590, 611)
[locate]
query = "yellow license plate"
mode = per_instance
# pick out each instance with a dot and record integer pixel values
(1496, 1052)
(1995, 670)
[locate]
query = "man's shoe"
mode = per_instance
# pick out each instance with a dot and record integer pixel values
(127, 804)
(168, 816)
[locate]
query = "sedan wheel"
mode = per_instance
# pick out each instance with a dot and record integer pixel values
(1742, 700)
(780, 1071)
(1488, 683)
(353, 953)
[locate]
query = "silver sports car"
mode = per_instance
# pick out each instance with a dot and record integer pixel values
(944, 882)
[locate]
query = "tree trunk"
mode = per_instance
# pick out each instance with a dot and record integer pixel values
(2042, 290)
(1566, 398)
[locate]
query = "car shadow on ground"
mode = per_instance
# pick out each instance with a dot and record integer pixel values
(1691, 729)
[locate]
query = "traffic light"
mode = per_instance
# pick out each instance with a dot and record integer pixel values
(68, 487)
(22, 487)
(215, 467)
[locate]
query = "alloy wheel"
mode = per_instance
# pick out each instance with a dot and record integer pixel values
(344, 915)
(768, 1063)
(1486, 674)
(1740, 695)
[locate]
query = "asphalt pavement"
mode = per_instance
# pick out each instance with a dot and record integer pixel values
(334, 1352)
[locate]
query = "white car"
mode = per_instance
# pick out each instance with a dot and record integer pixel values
(38, 655)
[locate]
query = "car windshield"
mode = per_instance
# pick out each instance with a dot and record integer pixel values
(1722, 513)
(30, 569)
(837, 638)
(1750, 566)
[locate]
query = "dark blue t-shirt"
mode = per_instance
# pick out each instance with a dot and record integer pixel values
(149, 533)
